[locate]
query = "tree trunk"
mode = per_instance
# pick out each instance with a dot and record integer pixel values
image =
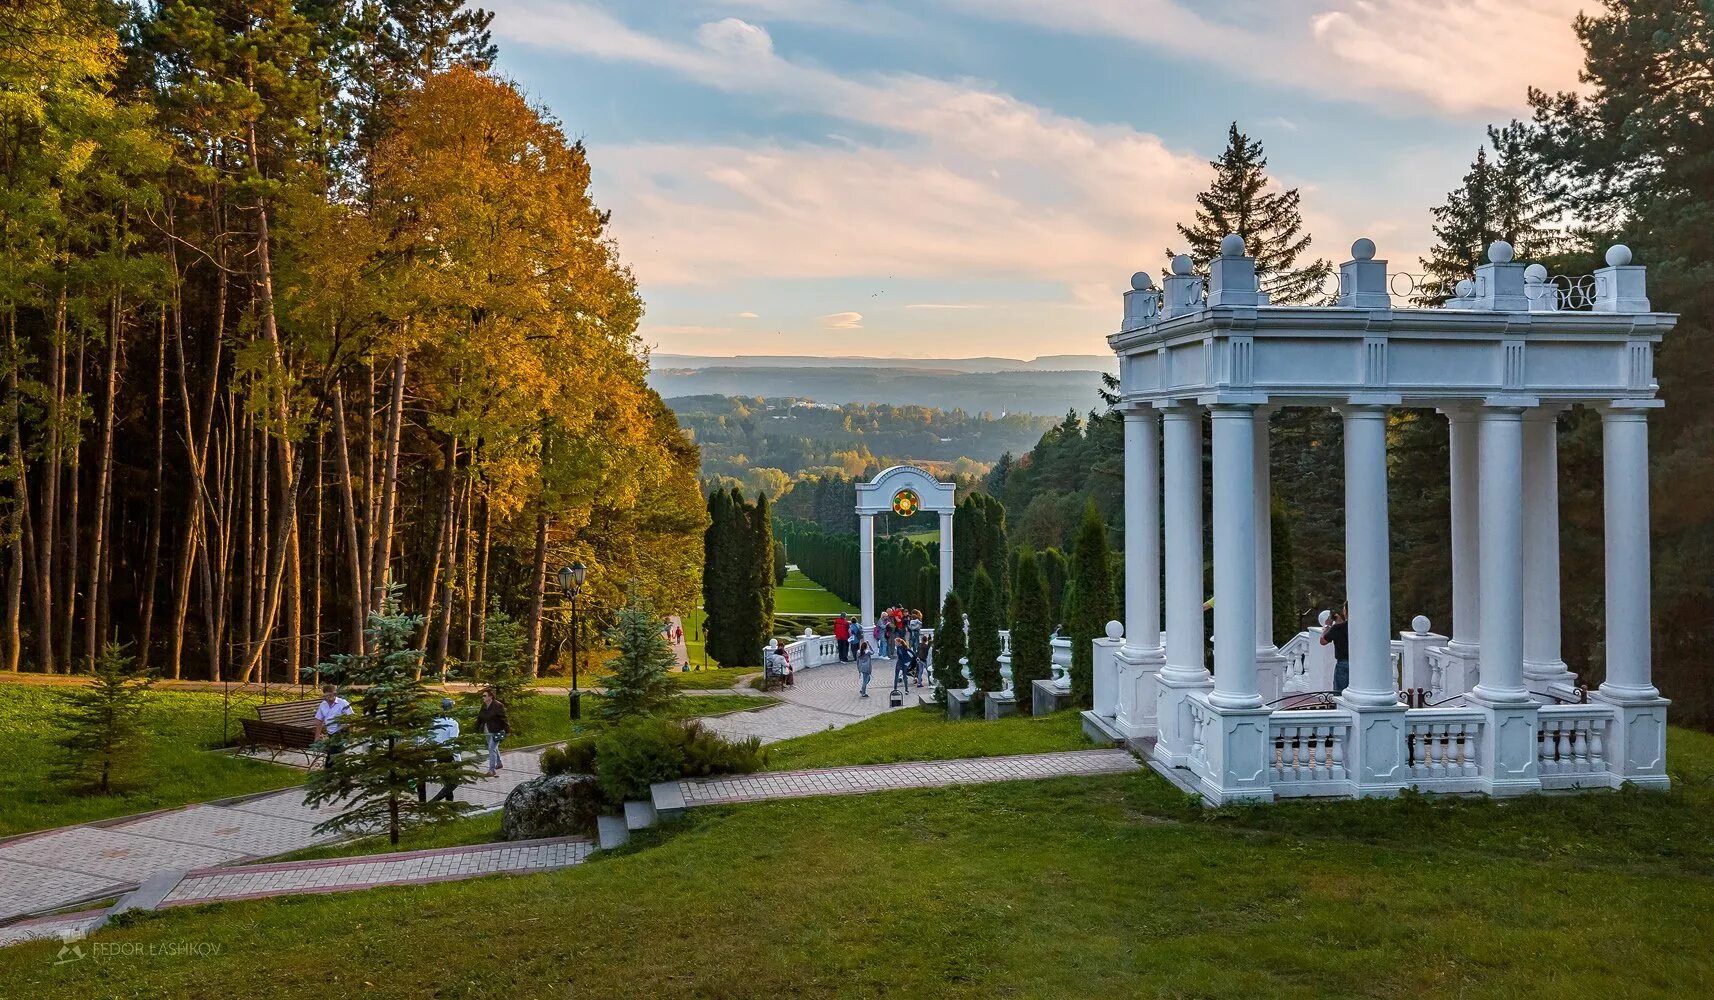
(379, 570)
(151, 572)
(68, 569)
(45, 531)
(538, 579)
(20, 504)
(449, 552)
(316, 566)
(354, 550)
(482, 582)
(103, 490)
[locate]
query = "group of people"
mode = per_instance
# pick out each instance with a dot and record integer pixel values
(898, 633)
(492, 720)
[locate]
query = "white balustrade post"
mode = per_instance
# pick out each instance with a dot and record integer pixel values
(945, 557)
(1183, 674)
(1508, 751)
(1638, 750)
(1140, 659)
(1270, 665)
(866, 567)
(1376, 754)
(1544, 670)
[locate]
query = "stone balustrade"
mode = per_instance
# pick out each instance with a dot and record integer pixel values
(1309, 753)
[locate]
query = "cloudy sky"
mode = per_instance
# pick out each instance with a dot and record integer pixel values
(949, 178)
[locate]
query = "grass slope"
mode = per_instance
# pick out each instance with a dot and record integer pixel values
(175, 768)
(1109, 887)
(801, 595)
(924, 734)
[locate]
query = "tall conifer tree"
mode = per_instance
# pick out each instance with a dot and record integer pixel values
(1032, 628)
(950, 647)
(1498, 199)
(984, 632)
(1270, 221)
(1091, 602)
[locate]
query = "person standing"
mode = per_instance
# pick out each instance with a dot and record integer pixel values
(492, 722)
(865, 666)
(327, 724)
(445, 731)
(842, 636)
(903, 665)
(1338, 635)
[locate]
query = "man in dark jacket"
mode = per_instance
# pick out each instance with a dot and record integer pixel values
(492, 722)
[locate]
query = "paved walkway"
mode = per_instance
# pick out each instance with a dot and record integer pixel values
(209, 885)
(915, 774)
(819, 699)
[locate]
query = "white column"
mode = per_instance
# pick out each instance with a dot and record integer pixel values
(945, 557)
(1501, 672)
(1234, 558)
(1464, 441)
(1182, 430)
(1543, 666)
(1625, 460)
(866, 566)
(1142, 533)
(1637, 750)
(1367, 557)
(1264, 519)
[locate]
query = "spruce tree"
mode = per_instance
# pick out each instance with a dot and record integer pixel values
(1032, 629)
(102, 724)
(1271, 223)
(1092, 604)
(640, 683)
(950, 647)
(387, 744)
(985, 628)
(1497, 200)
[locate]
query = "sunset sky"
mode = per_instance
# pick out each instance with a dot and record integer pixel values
(951, 178)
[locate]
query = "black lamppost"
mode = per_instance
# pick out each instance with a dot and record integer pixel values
(570, 585)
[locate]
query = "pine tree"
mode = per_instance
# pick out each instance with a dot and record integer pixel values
(950, 647)
(1032, 630)
(1498, 200)
(501, 665)
(640, 684)
(1271, 223)
(984, 632)
(1091, 602)
(387, 744)
(102, 723)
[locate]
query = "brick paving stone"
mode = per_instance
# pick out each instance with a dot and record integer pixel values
(247, 833)
(113, 855)
(921, 774)
(22, 883)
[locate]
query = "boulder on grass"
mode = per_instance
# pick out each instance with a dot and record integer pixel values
(554, 805)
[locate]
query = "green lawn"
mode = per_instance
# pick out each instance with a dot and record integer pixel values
(1108, 887)
(801, 595)
(924, 734)
(175, 767)
(712, 679)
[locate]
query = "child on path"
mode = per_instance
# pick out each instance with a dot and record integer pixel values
(865, 664)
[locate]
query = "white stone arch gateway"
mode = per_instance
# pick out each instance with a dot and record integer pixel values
(901, 489)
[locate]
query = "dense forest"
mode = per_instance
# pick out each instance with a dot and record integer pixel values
(300, 301)
(765, 444)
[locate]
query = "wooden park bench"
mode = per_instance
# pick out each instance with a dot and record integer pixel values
(286, 725)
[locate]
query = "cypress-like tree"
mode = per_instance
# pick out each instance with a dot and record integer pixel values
(387, 743)
(1271, 223)
(719, 586)
(985, 628)
(1287, 603)
(1054, 571)
(1032, 629)
(639, 684)
(1092, 605)
(760, 603)
(1497, 200)
(950, 647)
(101, 726)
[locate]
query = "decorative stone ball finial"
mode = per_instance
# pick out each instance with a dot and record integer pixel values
(1618, 255)
(1142, 282)
(1363, 249)
(1232, 245)
(1181, 265)
(1420, 624)
(1535, 274)
(1500, 252)
(1466, 288)
(1115, 630)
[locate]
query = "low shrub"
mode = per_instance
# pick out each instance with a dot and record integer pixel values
(576, 756)
(632, 756)
(710, 753)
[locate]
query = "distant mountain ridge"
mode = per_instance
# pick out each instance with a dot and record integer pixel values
(1046, 363)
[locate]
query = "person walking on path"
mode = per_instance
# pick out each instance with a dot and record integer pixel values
(445, 731)
(903, 665)
(492, 721)
(327, 724)
(1338, 635)
(842, 636)
(865, 665)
